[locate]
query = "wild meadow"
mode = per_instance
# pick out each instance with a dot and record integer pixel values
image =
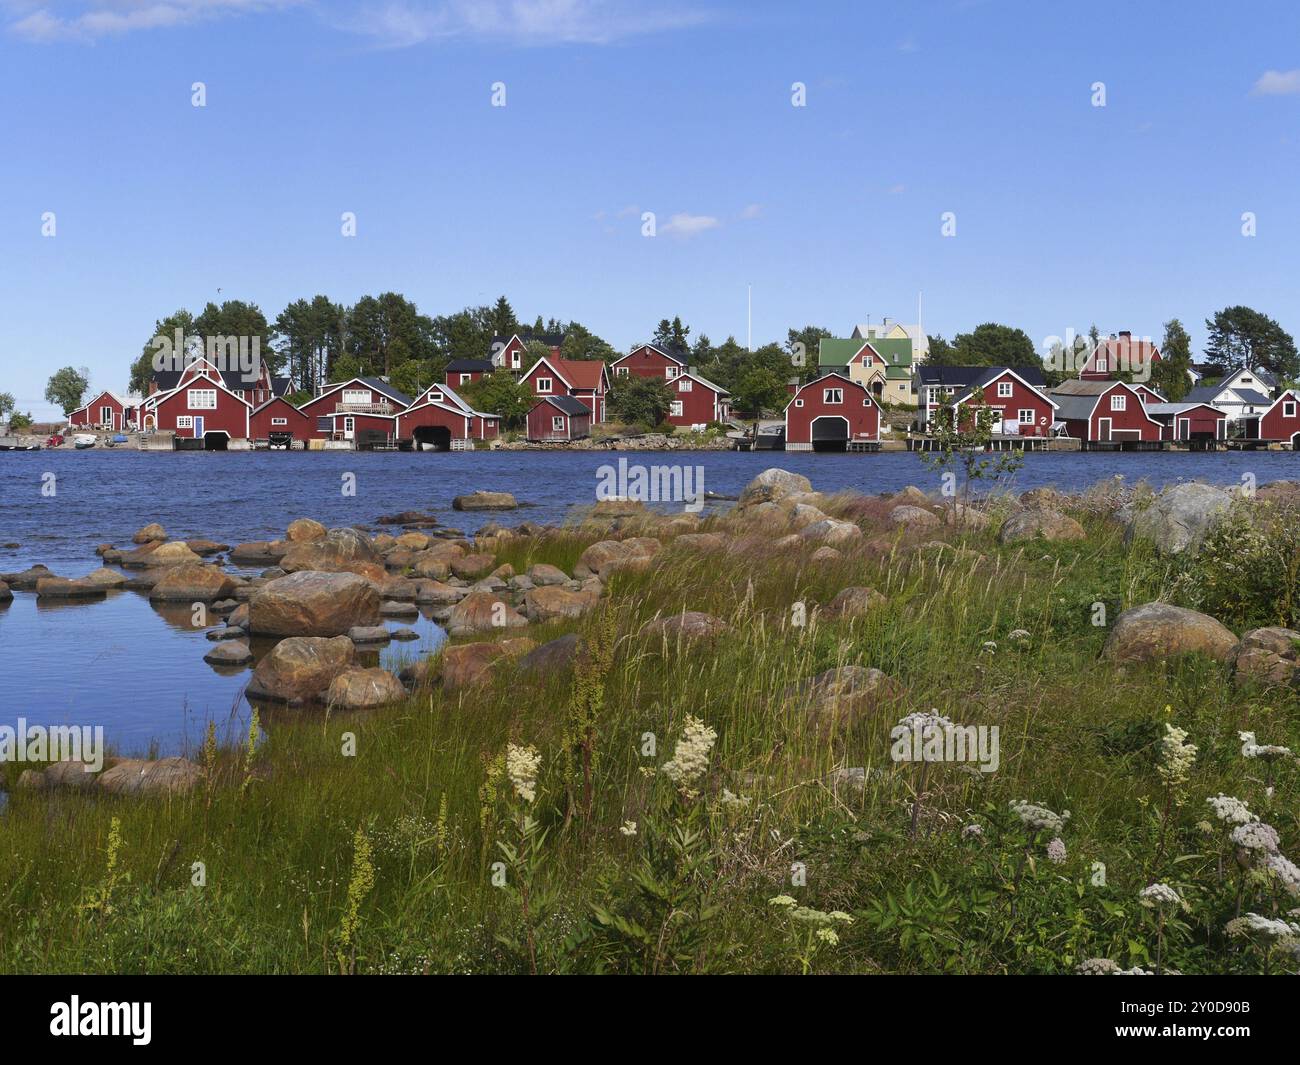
(672, 805)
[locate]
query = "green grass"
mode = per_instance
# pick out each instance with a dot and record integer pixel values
(1075, 734)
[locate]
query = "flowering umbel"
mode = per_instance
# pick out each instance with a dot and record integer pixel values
(690, 760)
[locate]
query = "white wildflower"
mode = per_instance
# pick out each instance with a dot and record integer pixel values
(690, 760)
(989, 647)
(628, 828)
(1154, 896)
(1137, 970)
(972, 831)
(1038, 817)
(1098, 874)
(1260, 929)
(828, 935)
(922, 721)
(1231, 811)
(1267, 752)
(1096, 967)
(1285, 872)
(1056, 851)
(522, 764)
(1256, 836)
(782, 900)
(732, 801)
(1176, 757)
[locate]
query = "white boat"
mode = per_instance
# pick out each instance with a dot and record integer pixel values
(81, 441)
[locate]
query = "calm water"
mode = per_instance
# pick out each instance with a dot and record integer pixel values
(139, 671)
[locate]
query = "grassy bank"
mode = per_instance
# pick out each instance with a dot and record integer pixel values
(386, 861)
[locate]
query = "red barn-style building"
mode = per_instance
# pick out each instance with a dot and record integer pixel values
(649, 360)
(440, 416)
(1105, 412)
(1019, 408)
(1190, 421)
(697, 401)
(1282, 420)
(829, 413)
(107, 410)
(280, 417)
(1119, 354)
(586, 380)
(559, 418)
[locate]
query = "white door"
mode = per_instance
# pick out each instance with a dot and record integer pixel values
(349, 428)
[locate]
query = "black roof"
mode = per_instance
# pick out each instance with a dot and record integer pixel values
(680, 354)
(568, 404)
(967, 376)
(470, 366)
(231, 379)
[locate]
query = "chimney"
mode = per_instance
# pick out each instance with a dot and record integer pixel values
(1125, 333)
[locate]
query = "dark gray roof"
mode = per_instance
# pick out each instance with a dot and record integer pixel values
(966, 376)
(470, 366)
(1073, 408)
(992, 374)
(567, 404)
(1249, 395)
(385, 389)
(1202, 394)
(1208, 394)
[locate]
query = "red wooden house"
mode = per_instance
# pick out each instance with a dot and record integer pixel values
(829, 413)
(585, 380)
(349, 409)
(465, 371)
(1018, 407)
(559, 418)
(107, 410)
(697, 401)
(1148, 394)
(1105, 412)
(199, 407)
(280, 417)
(649, 360)
(1190, 421)
(1282, 420)
(439, 416)
(1120, 354)
(511, 353)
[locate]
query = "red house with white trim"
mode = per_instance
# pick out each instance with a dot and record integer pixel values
(1190, 421)
(586, 380)
(280, 417)
(359, 405)
(1105, 412)
(559, 418)
(1019, 408)
(108, 410)
(1282, 420)
(200, 407)
(439, 416)
(829, 413)
(511, 353)
(697, 400)
(466, 371)
(1120, 354)
(648, 360)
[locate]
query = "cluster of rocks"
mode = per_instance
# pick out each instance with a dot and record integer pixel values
(126, 776)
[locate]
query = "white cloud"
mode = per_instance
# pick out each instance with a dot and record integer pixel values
(401, 23)
(111, 18)
(1277, 83)
(688, 225)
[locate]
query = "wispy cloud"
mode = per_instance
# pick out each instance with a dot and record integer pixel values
(688, 225)
(1277, 83)
(111, 18)
(402, 23)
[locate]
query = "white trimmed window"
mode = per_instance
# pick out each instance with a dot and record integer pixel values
(1004, 390)
(672, 372)
(279, 421)
(684, 385)
(798, 402)
(620, 371)
(1119, 402)
(675, 408)
(184, 421)
(106, 415)
(557, 423)
(1288, 409)
(202, 399)
(356, 395)
(466, 377)
(833, 395)
(543, 384)
(1026, 416)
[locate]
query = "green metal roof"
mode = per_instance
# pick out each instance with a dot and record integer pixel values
(897, 352)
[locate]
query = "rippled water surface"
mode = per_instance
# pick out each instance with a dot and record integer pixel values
(139, 671)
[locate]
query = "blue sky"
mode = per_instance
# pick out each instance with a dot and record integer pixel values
(1125, 215)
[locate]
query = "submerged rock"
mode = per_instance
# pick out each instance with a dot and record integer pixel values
(485, 501)
(309, 603)
(301, 668)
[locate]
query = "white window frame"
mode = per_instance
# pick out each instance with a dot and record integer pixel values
(279, 421)
(1020, 415)
(106, 414)
(675, 408)
(466, 377)
(1119, 402)
(798, 402)
(672, 371)
(557, 422)
(194, 395)
(1005, 390)
(620, 371)
(544, 386)
(833, 396)
(1288, 409)
(357, 396)
(184, 421)
(685, 384)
